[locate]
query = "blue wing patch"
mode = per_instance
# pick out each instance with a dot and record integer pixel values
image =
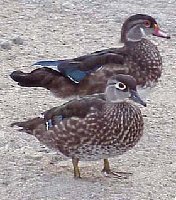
(49, 124)
(67, 69)
(47, 63)
(76, 75)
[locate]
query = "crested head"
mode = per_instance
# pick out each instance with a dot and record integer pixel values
(138, 26)
(121, 87)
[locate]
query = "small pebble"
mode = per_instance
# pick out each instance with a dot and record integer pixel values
(5, 44)
(18, 40)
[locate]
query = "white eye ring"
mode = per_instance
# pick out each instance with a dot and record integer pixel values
(120, 86)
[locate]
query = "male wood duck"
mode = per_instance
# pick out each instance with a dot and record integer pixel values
(92, 128)
(87, 75)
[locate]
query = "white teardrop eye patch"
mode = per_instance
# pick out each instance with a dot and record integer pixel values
(120, 86)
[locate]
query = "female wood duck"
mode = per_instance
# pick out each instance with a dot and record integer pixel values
(91, 128)
(87, 75)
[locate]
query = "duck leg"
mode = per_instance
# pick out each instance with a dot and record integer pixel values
(76, 168)
(107, 171)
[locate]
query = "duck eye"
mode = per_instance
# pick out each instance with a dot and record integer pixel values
(147, 24)
(120, 86)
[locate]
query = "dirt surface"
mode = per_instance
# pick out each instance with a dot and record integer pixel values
(35, 29)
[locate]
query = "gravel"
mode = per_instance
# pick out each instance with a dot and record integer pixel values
(65, 29)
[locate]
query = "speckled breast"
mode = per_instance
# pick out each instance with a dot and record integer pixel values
(144, 62)
(116, 131)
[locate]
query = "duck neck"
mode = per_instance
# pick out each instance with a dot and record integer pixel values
(113, 96)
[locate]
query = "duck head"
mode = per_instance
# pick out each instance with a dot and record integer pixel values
(139, 26)
(122, 87)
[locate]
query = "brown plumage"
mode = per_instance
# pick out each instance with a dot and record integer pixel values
(83, 75)
(92, 128)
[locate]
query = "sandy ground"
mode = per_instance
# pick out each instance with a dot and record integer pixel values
(62, 29)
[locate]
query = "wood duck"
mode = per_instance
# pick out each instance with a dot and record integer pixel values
(88, 74)
(92, 128)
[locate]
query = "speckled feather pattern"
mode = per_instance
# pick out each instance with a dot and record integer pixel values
(142, 60)
(101, 134)
(145, 63)
(139, 59)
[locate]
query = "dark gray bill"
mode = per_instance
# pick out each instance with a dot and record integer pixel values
(136, 98)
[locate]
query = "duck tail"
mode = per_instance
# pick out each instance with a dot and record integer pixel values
(30, 125)
(41, 77)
